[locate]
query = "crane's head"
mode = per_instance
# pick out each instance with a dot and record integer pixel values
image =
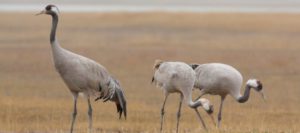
(208, 107)
(256, 85)
(49, 10)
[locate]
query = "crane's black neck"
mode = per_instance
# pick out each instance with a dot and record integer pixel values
(246, 95)
(54, 26)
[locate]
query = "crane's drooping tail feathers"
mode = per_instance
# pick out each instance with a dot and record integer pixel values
(156, 66)
(121, 104)
(112, 91)
(120, 98)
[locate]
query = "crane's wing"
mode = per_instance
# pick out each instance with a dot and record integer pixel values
(89, 72)
(112, 91)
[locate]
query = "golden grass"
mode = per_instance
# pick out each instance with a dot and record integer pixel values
(34, 99)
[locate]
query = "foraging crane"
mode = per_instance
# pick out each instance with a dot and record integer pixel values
(83, 75)
(178, 77)
(221, 79)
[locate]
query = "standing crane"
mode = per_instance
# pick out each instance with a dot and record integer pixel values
(178, 77)
(83, 75)
(221, 79)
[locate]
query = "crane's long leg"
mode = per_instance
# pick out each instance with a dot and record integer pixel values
(179, 112)
(220, 111)
(90, 114)
(162, 113)
(75, 96)
(200, 118)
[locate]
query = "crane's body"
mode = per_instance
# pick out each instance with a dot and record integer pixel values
(178, 77)
(218, 79)
(175, 77)
(222, 79)
(82, 74)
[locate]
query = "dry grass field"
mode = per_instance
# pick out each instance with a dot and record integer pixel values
(33, 98)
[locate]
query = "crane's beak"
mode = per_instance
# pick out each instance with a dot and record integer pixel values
(42, 12)
(262, 95)
(210, 113)
(212, 119)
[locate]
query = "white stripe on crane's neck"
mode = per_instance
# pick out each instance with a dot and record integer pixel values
(54, 9)
(252, 83)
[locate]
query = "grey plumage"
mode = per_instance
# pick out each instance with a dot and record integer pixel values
(83, 75)
(221, 79)
(178, 77)
(114, 93)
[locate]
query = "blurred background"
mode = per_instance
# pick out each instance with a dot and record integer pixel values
(155, 5)
(260, 38)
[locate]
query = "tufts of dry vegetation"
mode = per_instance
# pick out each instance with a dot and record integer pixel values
(34, 99)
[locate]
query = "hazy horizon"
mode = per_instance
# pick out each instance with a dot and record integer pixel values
(290, 6)
(163, 2)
